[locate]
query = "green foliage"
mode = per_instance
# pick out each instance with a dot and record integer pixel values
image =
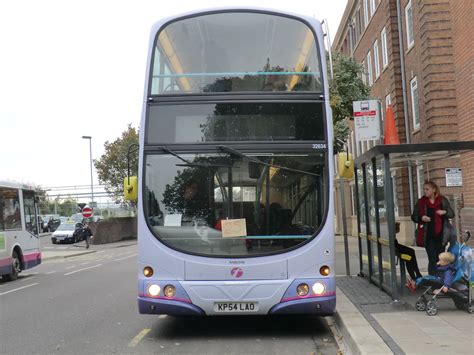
(176, 198)
(112, 165)
(47, 206)
(346, 87)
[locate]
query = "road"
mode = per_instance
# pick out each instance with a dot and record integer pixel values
(87, 305)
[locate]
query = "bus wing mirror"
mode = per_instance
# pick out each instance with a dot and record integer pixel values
(130, 188)
(345, 165)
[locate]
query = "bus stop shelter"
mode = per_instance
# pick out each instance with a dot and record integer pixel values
(375, 205)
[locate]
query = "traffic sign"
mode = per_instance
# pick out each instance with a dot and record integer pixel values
(87, 212)
(366, 120)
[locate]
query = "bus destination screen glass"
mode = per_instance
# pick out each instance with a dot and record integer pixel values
(235, 52)
(200, 123)
(221, 204)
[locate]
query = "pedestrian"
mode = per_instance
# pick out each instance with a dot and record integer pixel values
(446, 269)
(87, 234)
(431, 212)
(411, 265)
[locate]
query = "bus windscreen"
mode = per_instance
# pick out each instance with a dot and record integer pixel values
(235, 52)
(222, 204)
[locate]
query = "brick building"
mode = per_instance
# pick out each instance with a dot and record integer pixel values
(428, 80)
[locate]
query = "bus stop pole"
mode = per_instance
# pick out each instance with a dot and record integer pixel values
(344, 226)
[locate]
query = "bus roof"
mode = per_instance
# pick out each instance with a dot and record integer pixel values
(16, 185)
(156, 26)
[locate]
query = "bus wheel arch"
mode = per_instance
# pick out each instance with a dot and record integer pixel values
(17, 264)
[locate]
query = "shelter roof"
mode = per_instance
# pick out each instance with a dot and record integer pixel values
(401, 154)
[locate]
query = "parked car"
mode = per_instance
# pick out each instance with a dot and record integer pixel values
(50, 223)
(77, 217)
(66, 233)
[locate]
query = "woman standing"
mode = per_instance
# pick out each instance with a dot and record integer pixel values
(431, 212)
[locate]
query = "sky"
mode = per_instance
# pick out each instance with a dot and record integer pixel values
(70, 68)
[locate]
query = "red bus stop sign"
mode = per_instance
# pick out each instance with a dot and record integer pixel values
(87, 212)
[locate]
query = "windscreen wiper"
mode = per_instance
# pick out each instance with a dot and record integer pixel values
(258, 161)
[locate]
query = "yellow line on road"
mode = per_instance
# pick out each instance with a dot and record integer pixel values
(139, 337)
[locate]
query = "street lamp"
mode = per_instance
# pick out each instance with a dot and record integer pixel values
(92, 181)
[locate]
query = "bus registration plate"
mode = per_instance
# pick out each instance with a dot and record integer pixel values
(235, 307)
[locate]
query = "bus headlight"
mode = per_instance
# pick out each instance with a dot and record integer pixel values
(147, 271)
(154, 290)
(169, 291)
(318, 288)
(324, 270)
(302, 290)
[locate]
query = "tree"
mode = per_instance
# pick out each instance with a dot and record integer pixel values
(346, 87)
(112, 165)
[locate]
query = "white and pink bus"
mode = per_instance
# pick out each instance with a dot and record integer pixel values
(235, 196)
(19, 238)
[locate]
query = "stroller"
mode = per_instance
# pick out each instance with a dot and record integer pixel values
(461, 291)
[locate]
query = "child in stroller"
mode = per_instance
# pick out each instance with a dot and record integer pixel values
(455, 280)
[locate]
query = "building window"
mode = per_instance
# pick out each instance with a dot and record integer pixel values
(352, 37)
(372, 7)
(359, 25)
(420, 178)
(366, 12)
(414, 103)
(369, 69)
(388, 101)
(383, 36)
(409, 24)
(376, 59)
(364, 73)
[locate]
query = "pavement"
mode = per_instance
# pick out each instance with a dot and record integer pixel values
(64, 251)
(370, 322)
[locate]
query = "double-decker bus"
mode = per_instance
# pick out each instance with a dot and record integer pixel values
(235, 199)
(19, 238)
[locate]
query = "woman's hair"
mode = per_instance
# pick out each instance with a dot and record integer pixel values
(434, 187)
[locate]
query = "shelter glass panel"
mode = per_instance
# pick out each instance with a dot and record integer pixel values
(372, 221)
(383, 238)
(362, 220)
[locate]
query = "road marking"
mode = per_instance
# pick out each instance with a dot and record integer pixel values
(139, 337)
(86, 268)
(51, 272)
(17, 289)
(161, 316)
(26, 278)
(70, 267)
(130, 256)
(87, 262)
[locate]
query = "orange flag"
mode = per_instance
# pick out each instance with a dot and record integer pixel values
(391, 135)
